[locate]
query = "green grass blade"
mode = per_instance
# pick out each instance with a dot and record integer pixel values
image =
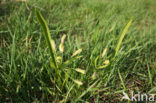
(86, 91)
(47, 36)
(122, 82)
(150, 75)
(67, 62)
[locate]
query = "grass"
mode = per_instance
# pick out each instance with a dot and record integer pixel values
(27, 73)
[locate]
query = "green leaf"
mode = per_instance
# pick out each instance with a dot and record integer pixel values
(122, 35)
(48, 39)
(47, 35)
(95, 62)
(153, 90)
(86, 91)
(122, 82)
(102, 66)
(67, 62)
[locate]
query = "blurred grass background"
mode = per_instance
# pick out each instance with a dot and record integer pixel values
(92, 25)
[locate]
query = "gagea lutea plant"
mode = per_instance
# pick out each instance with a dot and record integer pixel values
(107, 63)
(59, 73)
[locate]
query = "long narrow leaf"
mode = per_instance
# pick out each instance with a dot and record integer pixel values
(86, 91)
(47, 36)
(122, 35)
(122, 82)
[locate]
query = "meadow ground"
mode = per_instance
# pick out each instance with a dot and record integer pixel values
(90, 25)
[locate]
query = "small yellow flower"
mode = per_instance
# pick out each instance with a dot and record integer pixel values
(63, 39)
(53, 45)
(61, 48)
(106, 62)
(104, 52)
(78, 82)
(94, 76)
(77, 52)
(80, 70)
